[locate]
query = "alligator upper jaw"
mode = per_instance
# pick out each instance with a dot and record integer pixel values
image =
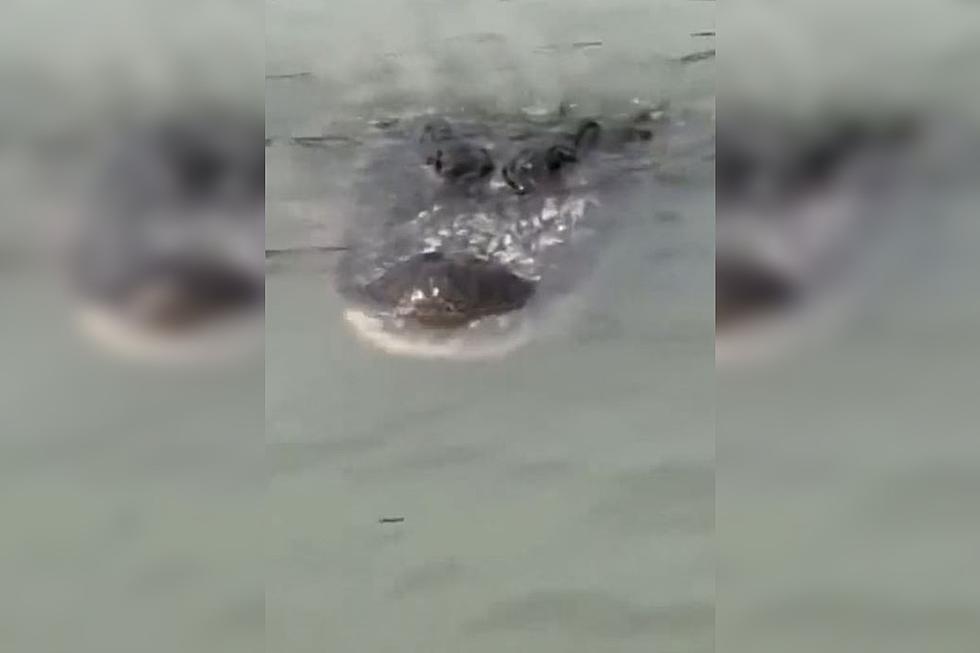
(170, 320)
(440, 291)
(180, 300)
(746, 292)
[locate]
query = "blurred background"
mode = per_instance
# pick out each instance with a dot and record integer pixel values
(131, 490)
(847, 461)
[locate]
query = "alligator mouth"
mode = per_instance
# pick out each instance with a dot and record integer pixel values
(184, 298)
(189, 315)
(746, 292)
(441, 291)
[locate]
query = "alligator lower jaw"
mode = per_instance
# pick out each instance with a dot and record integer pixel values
(439, 325)
(484, 338)
(181, 316)
(744, 294)
(761, 317)
(223, 339)
(161, 319)
(437, 320)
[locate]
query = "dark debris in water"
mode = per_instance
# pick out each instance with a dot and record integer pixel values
(701, 55)
(391, 520)
(298, 75)
(478, 37)
(326, 140)
(320, 249)
(666, 216)
(553, 48)
(384, 123)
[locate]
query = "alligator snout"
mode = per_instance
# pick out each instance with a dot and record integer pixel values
(439, 290)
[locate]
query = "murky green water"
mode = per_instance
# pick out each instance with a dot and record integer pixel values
(562, 499)
(559, 499)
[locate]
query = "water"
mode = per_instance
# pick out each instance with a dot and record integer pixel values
(845, 473)
(561, 499)
(558, 499)
(129, 497)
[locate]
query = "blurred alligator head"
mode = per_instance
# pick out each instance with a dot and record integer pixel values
(797, 209)
(172, 242)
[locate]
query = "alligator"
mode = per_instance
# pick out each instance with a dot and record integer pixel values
(463, 227)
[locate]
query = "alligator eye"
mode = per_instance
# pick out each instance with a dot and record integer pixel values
(462, 163)
(511, 180)
(557, 156)
(587, 137)
(199, 170)
(818, 163)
